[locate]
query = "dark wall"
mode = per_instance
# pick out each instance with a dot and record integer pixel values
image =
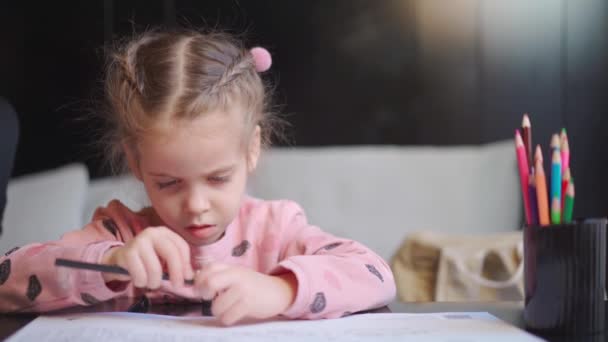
(407, 72)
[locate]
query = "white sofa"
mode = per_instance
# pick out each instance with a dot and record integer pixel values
(374, 194)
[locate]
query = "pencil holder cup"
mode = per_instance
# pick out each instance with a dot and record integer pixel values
(565, 277)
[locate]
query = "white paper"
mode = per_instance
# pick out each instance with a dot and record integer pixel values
(120, 326)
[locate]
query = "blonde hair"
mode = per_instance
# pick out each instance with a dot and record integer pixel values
(161, 75)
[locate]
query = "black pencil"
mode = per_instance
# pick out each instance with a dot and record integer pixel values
(103, 268)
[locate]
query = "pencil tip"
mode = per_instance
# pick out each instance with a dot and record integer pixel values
(564, 143)
(555, 141)
(518, 140)
(526, 121)
(538, 154)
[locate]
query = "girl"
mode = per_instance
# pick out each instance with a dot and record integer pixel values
(188, 114)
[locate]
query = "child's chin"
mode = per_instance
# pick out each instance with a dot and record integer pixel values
(202, 240)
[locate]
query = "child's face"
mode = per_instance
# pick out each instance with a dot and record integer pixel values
(196, 173)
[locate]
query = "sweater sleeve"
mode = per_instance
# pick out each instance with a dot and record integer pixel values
(335, 276)
(30, 281)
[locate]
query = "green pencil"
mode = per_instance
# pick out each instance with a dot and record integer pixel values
(569, 203)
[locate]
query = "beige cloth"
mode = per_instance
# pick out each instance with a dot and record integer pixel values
(432, 266)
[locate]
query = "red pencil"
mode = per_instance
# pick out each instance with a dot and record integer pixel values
(565, 181)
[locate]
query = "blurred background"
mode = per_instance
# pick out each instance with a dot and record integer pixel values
(348, 72)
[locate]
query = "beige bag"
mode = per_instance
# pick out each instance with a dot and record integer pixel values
(431, 266)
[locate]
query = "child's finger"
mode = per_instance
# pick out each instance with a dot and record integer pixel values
(116, 258)
(225, 301)
(136, 269)
(202, 278)
(234, 314)
(170, 255)
(154, 270)
(203, 290)
(218, 281)
(199, 287)
(207, 271)
(184, 249)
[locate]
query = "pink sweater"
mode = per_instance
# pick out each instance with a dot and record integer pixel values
(335, 276)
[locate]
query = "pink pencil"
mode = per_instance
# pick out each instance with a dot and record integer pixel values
(565, 151)
(522, 163)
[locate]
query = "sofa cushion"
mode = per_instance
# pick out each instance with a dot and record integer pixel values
(377, 194)
(44, 205)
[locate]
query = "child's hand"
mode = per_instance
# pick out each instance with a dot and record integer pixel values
(144, 255)
(240, 292)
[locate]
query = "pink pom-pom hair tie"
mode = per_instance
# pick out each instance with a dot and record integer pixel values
(262, 59)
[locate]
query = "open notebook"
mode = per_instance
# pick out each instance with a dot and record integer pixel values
(115, 326)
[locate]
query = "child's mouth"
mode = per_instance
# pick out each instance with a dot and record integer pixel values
(201, 231)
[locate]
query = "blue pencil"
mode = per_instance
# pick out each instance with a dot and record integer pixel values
(556, 187)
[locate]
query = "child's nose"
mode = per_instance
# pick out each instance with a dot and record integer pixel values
(197, 202)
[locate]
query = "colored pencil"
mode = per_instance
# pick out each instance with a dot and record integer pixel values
(569, 203)
(556, 187)
(565, 180)
(522, 162)
(541, 188)
(555, 142)
(565, 150)
(532, 198)
(103, 268)
(526, 129)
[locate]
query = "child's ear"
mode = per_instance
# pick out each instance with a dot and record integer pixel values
(132, 161)
(253, 153)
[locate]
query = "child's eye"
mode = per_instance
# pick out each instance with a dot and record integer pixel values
(218, 179)
(162, 185)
